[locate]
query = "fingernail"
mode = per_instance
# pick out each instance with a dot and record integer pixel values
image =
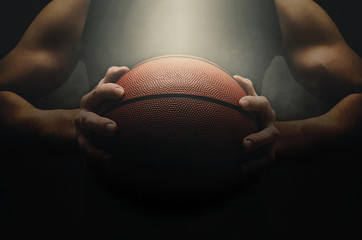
(125, 68)
(244, 103)
(111, 128)
(248, 145)
(119, 91)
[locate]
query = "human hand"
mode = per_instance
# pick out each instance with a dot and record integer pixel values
(255, 170)
(88, 121)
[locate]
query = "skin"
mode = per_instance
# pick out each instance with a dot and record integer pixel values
(316, 53)
(326, 66)
(46, 58)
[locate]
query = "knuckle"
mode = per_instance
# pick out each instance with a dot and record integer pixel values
(264, 100)
(111, 70)
(84, 100)
(248, 82)
(274, 132)
(96, 91)
(273, 115)
(82, 120)
(77, 121)
(99, 123)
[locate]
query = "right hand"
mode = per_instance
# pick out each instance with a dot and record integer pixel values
(255, 171)
(88, 121)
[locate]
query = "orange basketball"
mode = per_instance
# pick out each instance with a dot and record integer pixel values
(179, 127)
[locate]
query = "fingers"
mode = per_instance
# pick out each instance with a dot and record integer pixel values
(255, 103)
(246, 84)
(99, 94)
(113, 74)
(267, 136)
(105, 90)
(87, 147)
(261, 106)
(90, 121)
(256, 169)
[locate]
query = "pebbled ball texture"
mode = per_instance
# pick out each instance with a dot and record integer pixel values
(179, 127)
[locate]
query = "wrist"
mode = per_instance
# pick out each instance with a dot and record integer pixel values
(336, 129)
(297, 138)
(57, 129)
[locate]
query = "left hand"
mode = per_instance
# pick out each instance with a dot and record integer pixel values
(88, 121)
(255, 170)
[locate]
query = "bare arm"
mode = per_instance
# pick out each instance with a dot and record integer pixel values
(22, 123)
(41, 61)
(47, 52)
(325, 65)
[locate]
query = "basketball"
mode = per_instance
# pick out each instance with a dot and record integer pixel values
(180, 129)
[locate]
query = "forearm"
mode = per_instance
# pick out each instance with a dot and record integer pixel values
(22, 123)
(338, 128)
(59, 129)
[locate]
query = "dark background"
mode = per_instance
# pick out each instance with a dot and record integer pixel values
(15, 17)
